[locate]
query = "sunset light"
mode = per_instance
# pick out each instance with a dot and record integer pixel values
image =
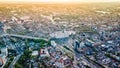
(59, 33)
(59, 0)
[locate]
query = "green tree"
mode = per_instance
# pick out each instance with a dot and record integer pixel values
(17, 65)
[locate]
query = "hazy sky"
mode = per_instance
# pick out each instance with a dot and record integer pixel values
(59, 0)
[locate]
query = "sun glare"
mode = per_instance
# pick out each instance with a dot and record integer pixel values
(59, 0)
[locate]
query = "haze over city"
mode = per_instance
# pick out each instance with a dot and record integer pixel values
(59, 33)
(59, 1)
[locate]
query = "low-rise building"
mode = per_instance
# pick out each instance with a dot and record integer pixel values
(44, 52)
(34, 53)
(3, 56)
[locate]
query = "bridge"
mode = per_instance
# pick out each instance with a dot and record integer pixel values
(22, 36)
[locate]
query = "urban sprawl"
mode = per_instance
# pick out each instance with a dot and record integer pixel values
(60, 35)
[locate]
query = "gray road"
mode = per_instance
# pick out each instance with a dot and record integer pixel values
(15, 60)
(22, 36)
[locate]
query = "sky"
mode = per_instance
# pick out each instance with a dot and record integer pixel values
(59, 0)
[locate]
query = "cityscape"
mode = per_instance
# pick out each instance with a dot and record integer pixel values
(60, 35)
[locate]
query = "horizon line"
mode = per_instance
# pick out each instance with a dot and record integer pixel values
(60, 2)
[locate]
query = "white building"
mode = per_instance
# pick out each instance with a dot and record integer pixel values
(53, 43)
(14, 19)
(62, 34)
(4, 51)
(34, 53)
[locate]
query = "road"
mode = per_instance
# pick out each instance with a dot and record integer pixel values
(86, 62)
(21, 36)
(15, 60)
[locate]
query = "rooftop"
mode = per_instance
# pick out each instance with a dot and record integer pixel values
(62, 34)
